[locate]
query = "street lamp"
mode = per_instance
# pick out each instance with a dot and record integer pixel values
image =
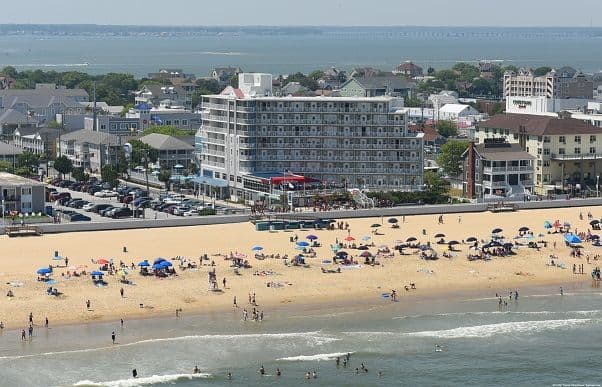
(597, 186)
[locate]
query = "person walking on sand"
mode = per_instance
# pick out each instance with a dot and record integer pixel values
(88, 304)
(224, 282)
(113, 337)
(30, 318)
(23, 335)
(121, 292)
(46, 322)
(561, 291)
(234, 302)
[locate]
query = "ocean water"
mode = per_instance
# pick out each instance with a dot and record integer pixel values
(286, 51)
(541, 339)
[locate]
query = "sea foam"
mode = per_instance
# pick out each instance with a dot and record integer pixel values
(318, 357)
(150, 380)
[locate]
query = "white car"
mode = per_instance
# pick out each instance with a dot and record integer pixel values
(105, 193)
(171, 201)
(88, 207)
(180, 210)
(191, 212)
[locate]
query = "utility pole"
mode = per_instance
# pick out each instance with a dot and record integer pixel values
(94, 109)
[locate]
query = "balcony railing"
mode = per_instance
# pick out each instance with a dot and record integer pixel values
(577, 156)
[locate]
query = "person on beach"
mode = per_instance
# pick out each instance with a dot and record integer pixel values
(88, 304)
(234, 302)
(46, 322)
(278, 373)
(561, 291)
(245, 315)
(516, 295)
(121, 292)
(261, 370)
(344, 363)
(134, 373)
(30, 318)
(338, 361)
(1, 325)
(23, 335)
(30, 331)
(196, 370)
(314, 375)
(113, 337)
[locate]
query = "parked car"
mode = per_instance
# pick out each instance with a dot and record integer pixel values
(65, 183)
(93, 189)
(72, 202)
(123, 212)
(80, 204)
(59, 195)
(169, 209)
(88, 207)
(106, 210)
(105, 193)
(99, 207)
(77, 217)
(180, 210)
(143, 204)
(191, 212)
(137, 201)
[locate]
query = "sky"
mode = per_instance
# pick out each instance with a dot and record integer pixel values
(580, 13)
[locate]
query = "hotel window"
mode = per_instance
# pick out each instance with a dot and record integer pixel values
(578, 139)
(561, 151)
(546, 163)
(539, 163)
(562, 140)
(577, 151)
(592, 139)
(546, 151)
(546, 138)
(539, 151)
(25, 191)
(592, 150)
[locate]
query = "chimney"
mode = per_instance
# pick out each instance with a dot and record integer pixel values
(470, 173)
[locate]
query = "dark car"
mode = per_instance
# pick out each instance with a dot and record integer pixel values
(92, 189)
(77, 217)
(72, 201)
(123, 212)
(74, 186)
(65, 183)
(143, 204)
(59, 195)
(99, 207)
(79, 204)
(104, 211)
(64, 200)
(141, 199)
(56, 181)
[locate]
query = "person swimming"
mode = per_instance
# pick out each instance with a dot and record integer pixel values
(278, 373)
(196, 370)
(307, 375)
(261, 371)
(338, 361)
(229, 376)
(134, 373)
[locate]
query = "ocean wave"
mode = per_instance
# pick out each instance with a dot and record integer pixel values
(53, 64)
(226, 53)
(489, 330)
(315, 338)
(505, 312)
(151, 380)
(318, 357)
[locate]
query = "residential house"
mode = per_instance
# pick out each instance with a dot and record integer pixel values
(496, 169)
(294, 89)
(20, 194)
(567, 151)
(164, 115)
(91, 150)
(408, 70)
(388, 85)
(11, 119)
(37, 140)
(156, 95)
(119, 126)
(431, 136)
(223, 75)
(172, 150)
(454, 112)
(9, 152)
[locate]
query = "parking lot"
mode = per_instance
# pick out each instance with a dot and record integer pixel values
(165, 204)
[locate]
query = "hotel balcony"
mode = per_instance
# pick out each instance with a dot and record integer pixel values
(504, 170)
(576, 156)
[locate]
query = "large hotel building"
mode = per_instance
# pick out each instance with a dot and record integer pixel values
(253, 143)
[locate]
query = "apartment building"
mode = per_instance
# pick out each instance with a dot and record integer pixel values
(361, 141)
(20, 194)
(555, 84)
(91, 149)
(566, 150)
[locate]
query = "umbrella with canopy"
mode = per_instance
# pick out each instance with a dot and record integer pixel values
(594, 222)
(471, 239)
(547, 225)
(302, 243)
(158, 260)
(567, 224)
(451, 243)
(363, 247)
(365, 254)
(311, 237)
(411, 239)
(557, 223)
(342, 254)
(166, 264)
(144, 264)
(496, 231)
(392, 220)
(572, 239)
(44, 271)
(349, 238)
(595, 236)
(256, 248)
(158, 266)
(523, 229)
(376, 225)
(102, 261)
(439, 235)
(492, 244)
(425, 247)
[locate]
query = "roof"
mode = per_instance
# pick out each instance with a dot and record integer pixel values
(539, 125)
(10, 179)
(430, 133)
(37, 98)
(43, 132)
(382, 82)
(454, 108)
(90, 136)
(12, 116)
(9, 149)
(294, 88)
(408, 65)
(162, 90)
(165, 142)
(502, 152)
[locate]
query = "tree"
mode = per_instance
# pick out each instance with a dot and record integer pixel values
(168, 130)
(9, 71)
(430, 71)
(139, 151)
(63, 165)
(28, 160)
(466, 72)
(234, 81)
(6, 166)
(450, 156)
(79, 174)
(434, 183)
(109, 174)
(412, 101)
(540, 71)
(481, 86)
(317, 74)
(498, 108)
(54, 125)
(164, 177)
(447, 128)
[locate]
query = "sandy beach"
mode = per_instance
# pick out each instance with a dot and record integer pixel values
(189, 290)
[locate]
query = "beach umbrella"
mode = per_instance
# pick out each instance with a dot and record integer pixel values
(363, 247)
(594, 236)
(349, 238)
(256, 248)
(97, 273)
(439, 235)
(411, 239)
(572, 239)
(392, 220)
(496, 231)
(523, 229)
(335, 248)
(239, 256)
(158, 260)
(144, 264)
(451, 243)
(302, 244)
(365, 254)
(102, 261)
(366, 238)
(44, 271)
(300, 248)
(158, 266)
(471, 239)
(166, 264)
(311, 237)
(547, 224)
(383, 247)
(594, 222)
(376, 225)
(424, 247)
(342, 254)
(556, 223)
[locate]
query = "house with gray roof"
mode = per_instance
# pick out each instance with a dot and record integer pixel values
(223, 75)
(11, 119)
(388, 85)
(37, 140)
(9, 152)
(173, 96)
(172, 150)
(91, 149)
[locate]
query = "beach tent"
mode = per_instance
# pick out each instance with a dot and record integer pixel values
(256, 248)
(392, 220)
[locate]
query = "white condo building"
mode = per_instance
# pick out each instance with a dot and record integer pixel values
(249, 136)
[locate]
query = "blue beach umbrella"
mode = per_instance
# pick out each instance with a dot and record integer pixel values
(166, 264)
(366, 238)
(302, 243)
(572, 238)
(144, 264)
(256, 248)
(158, 260)
(158, 266)
(311, 237)
(44, 271)
(97, 273)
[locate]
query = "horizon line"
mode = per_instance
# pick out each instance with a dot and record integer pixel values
(299, 25)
